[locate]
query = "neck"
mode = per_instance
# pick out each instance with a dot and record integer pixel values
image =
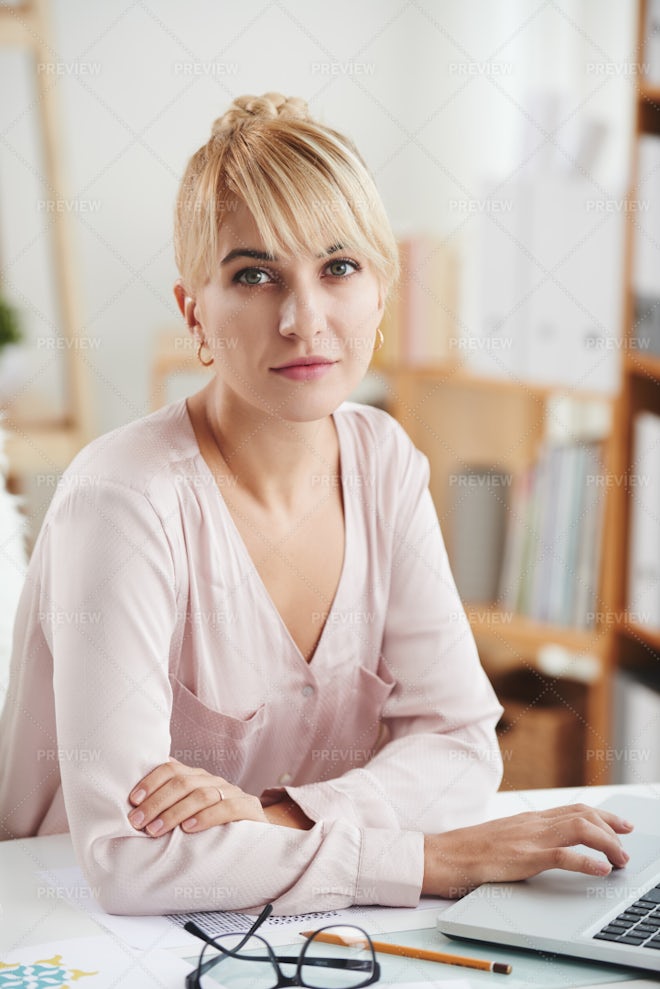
(277, 462)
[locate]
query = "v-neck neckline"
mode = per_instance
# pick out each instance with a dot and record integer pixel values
(348, 540)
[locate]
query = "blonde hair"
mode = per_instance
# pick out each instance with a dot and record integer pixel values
(305, 185)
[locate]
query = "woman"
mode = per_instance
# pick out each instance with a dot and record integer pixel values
(264, 687)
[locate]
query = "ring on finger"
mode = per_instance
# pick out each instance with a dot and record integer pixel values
(221, 795)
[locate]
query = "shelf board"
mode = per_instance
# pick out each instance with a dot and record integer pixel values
(649, 93)
(460, 375)
(644, 365)
(648, 106)
(640, 633)
(18, 26)
(524, 633)
(47, 447)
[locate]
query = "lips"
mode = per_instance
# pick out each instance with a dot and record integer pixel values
(305, 368)
(304, 362)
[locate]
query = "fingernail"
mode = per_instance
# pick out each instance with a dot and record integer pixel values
(625, 856)
(139, 796)
(603, 868)
(155, 827)
(628, 825)
(136, 818)
(190, 824)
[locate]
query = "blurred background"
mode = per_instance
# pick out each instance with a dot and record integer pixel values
(515, 146)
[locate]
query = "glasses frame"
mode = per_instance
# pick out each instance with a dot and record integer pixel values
(203, 966)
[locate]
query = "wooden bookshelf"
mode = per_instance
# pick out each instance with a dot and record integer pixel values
(525, 634)
(456, 418)
(637, 645)
(649, 638)
(39, 442)
(643, 365)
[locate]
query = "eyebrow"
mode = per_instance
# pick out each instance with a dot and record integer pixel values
(246, 252)
(254, 255)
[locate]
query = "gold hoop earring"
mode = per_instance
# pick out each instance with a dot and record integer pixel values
(381, 339)
(202, 343)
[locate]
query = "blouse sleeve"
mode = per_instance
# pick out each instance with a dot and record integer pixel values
(109, 590)
(442, 762)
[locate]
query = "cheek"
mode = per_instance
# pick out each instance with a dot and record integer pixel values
(362, 313)
(366, 319)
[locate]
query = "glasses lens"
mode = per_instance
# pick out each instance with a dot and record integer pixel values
(251, 969)
(338, 966)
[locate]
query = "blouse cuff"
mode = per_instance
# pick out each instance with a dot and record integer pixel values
(391, 868)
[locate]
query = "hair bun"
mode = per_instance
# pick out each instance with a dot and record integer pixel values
(270, 106)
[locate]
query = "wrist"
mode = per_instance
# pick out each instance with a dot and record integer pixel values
(288, 814)
(445, 873)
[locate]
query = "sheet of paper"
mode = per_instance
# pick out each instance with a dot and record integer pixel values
(432, 984)
(167, 932)
(91, 963)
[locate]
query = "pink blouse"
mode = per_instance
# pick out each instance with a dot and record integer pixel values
(144, 630)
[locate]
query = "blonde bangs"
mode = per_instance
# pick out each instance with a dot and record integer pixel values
(306, 190)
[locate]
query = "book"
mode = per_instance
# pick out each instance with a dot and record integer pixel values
(499, 341)
(551, 556)
(644, 544)
(477, 532)
(419, 324)
(645, 336)
(576, 301)
(585, 592)
(646, 248)
(651, 52)
(636, 729)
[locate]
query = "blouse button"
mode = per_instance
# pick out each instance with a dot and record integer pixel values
(307, 690)
(285, 778)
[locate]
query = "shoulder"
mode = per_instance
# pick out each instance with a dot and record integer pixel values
(140, 457)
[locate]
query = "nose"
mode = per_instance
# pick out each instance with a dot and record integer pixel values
(301, 314)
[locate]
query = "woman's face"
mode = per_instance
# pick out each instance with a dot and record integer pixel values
(290, 336)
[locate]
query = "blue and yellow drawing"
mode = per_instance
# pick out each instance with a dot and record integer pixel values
(42, 974)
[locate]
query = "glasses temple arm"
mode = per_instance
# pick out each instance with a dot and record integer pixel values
(195, 929)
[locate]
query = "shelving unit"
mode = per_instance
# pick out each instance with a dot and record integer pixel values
(38, 441)
(460, 419)
(636, 646)
(457, 418)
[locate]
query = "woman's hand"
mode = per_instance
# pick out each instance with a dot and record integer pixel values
(518, 847)
(174, 794)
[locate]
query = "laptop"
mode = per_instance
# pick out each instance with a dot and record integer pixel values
(615, 919)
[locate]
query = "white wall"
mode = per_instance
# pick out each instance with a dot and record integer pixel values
(434, 92)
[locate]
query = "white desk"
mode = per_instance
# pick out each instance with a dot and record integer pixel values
(31, 912)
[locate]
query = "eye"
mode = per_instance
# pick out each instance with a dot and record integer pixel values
(340, 267)
(252, 276)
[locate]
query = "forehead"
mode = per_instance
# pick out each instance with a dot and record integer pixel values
(238, 230)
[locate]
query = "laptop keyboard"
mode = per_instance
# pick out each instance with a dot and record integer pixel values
(638, 924)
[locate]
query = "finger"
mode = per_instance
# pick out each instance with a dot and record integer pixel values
(242, 808)
(172, 792)
(580, 816)
(572, 861)
(152, 781)
(204, 797)
(580, 831)
(166, 796)
(618, 824)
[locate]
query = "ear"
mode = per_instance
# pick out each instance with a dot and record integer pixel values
(186, 304)
(382, 299)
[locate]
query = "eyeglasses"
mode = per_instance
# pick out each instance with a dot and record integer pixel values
(319, 966)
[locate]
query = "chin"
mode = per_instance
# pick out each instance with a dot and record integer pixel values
(309, 404)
